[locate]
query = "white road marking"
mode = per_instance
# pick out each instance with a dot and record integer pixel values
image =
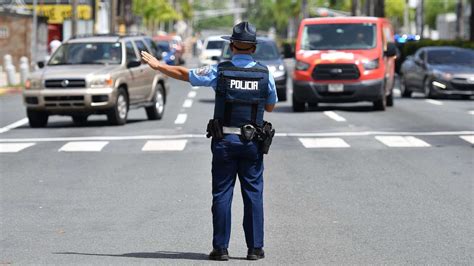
(192, 136)
(402, 141)
(192, 94)
(165, 145)
(188, 103)
(324, 143)
(18, 123)
(469, 139)
(14, 147)
(471, 112)
(397, 92)
(435, 102)
(83, 146)
(181, 119)
(334, 116)
(195, 88)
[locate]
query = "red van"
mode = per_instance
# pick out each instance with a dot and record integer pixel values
(344, 59)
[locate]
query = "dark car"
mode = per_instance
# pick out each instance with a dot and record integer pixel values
(268, 54)
(438, 71)
(167, 54)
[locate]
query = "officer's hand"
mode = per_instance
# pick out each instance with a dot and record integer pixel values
(150, 60)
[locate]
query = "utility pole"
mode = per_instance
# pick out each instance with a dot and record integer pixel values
(74, 18)
(471, 23)
(420, 21)
(406, 18)
(33, 33)
(355, 8)
(113, 12)
(379, 8)
(460, 20)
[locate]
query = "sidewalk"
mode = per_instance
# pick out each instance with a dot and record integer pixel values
(5, 89)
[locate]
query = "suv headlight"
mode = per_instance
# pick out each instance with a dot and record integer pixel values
(101, 82)
(442, 75)
(371, 64)
(277, 71)
(32, 84)
(302, 66)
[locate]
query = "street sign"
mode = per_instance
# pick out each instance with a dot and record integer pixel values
(56, 14)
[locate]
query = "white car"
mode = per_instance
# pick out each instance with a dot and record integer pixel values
(212, 48)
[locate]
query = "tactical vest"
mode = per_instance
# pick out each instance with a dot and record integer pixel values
(241, 94)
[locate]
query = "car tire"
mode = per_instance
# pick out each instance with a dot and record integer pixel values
(281, 95)
(380, 104)
(118, 114)
(155, 111)
(389, 99)
(79, 119)
(298, 106)
(37, 118)
(404, 89)
(428, 89)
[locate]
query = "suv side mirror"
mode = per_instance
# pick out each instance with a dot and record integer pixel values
(40, 64)
(133, 64)
(288, 51)
(391, 50)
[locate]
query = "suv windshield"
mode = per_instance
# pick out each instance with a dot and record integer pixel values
(87, 53)
(265, 51)
(338, 37)
(451, 57)
(214, 45)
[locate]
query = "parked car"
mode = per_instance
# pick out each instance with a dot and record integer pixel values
(211, 48)
(96, 75)
(268, 54)
(344, 59)
(167, 54)
(437, 71)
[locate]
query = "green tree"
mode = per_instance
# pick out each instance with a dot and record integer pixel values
(154, 12)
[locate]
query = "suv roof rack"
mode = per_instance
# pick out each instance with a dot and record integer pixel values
(118, 35)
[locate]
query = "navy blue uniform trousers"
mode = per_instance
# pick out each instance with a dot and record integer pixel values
(232, 157)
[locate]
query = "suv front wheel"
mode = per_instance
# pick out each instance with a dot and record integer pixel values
(155, 111)
(118, 114)
(37, 118)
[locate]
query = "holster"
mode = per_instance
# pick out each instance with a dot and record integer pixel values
(214, 129)
(266, 136)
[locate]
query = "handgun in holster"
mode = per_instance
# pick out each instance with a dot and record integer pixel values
(214, 129)
(268, 133)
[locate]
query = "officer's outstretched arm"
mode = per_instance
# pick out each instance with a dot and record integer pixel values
(176, 72)
(269, 107)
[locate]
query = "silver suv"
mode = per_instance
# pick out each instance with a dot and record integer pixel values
(97, 74)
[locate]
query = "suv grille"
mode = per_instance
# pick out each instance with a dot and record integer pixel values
(65, 83)
(336, 72)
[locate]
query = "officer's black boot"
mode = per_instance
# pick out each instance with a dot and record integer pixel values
(219, 254)
(255, 254)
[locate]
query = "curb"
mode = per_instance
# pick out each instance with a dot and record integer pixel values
(7, 90)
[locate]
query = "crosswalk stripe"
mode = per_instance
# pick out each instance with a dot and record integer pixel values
(469, 139)
(192, 94)
(18, 123)
(402, 141)
(323, 143)
(86, 146)
(14, 147)
(165, 145)
(181, 119)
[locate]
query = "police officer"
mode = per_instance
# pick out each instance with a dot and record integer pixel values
(244, 90)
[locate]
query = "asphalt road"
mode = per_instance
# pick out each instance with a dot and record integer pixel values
(343, 185)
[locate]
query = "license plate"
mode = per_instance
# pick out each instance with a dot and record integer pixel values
(336, 87)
